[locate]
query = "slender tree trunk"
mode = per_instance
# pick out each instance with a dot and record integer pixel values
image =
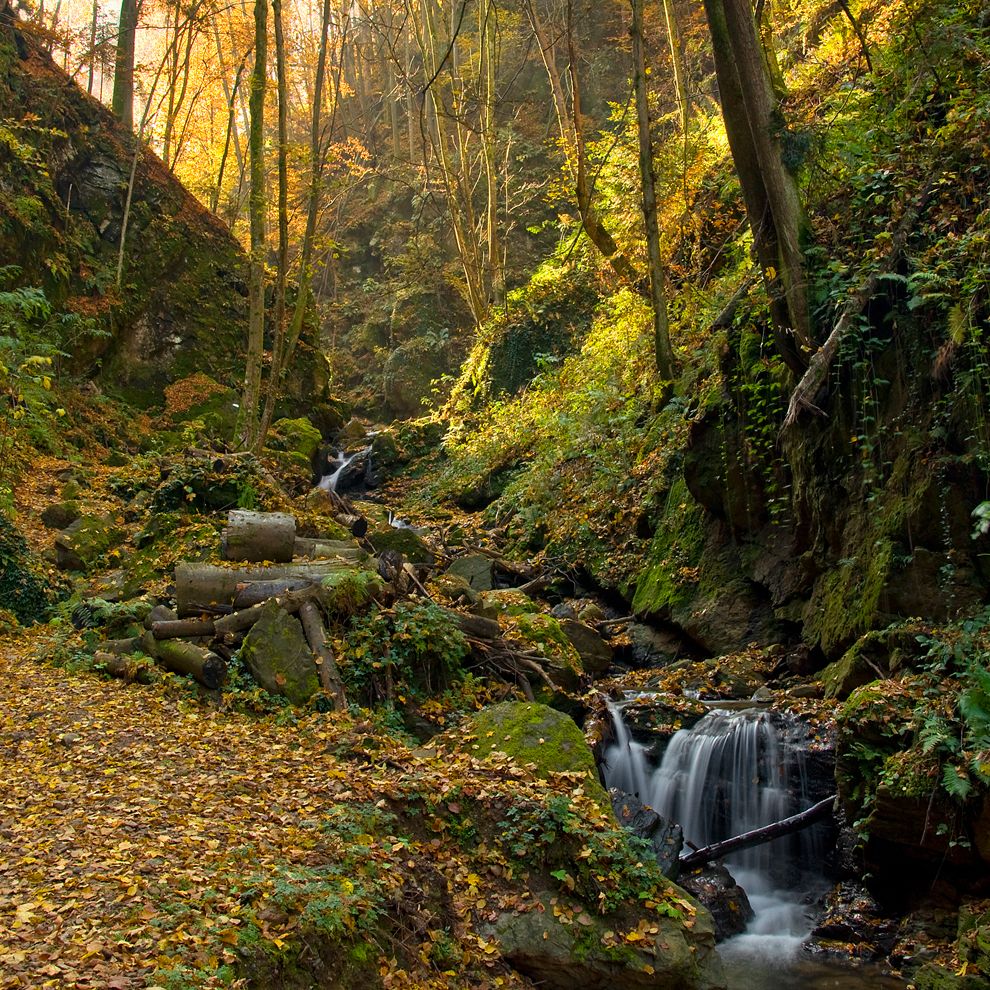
(676, 45)
(762, 113)
(92, 47)
(785, 287)
(231, 131)
(123, 73)
(661, 335)
(248, 415)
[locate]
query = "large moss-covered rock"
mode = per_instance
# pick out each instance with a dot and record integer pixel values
(544, 634)
(298, 436)
(81, 545)
(476, 569)
(404, 541)
(589, 955)
(536, 734)
(410, 372)
(278, 657)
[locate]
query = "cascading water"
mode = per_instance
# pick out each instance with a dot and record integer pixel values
(732, 772)
(340, 463)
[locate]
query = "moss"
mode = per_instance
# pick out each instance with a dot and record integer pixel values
(538, 735)
(298, 436)
(670, 576)
(546, 635)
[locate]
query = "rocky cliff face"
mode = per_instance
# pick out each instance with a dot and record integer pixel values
(65, 167)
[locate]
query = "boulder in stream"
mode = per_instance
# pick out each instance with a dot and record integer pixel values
(716, 888)
(664, 836)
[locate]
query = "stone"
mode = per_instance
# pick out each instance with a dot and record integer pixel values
(409, 373)
(664, 836)
(717, 890)
(385, 451)
(59, 515)
(595, 653)
(560, 956)
(653, 647)
(854, 924)
(297, 436)
(351, 432)
(455, 589)
(278, 657)
(403, 541)
(503, 601)
(564, 610)
(476, 569)
(80, 545)
(536, 734)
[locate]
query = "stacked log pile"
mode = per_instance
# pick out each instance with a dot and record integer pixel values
(266, 565)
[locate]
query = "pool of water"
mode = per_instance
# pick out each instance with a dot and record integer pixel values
(769, 954)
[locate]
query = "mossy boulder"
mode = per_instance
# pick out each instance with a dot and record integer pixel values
(536, 734)
(404, 541)
(546, 945)
(58, 515)
(410, 372)
(877, 654)
(503, 601)
(595, 653)
(476, 569)
(385, 451)
(82, 545)
(297, 436)
(278, 657)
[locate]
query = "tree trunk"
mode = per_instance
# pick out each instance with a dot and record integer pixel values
(125, 668)
(326, 665)
(186, 658)
(123, 70)
(182, 628)
(816, 813)
(314, 549)
(248, 414)
(257, 536)
(663, 352)
(256, 592)
(763, 117)
(199, 585)
(754, 192)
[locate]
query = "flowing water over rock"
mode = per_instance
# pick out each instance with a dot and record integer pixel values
(733, 772)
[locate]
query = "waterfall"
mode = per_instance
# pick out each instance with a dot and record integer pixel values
(343, 460)
(732, 772)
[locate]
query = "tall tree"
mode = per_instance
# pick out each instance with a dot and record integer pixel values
(248, 415)
(123, 70)
(658, 298)
(752, 123)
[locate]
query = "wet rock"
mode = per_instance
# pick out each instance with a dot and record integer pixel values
(561, 956)
(854, 925)
(718, 891)
(278, 657)
(476, 569)
(403, 541)
(653, 647)
(564, 610)
(80, 546)
(595, 653)
(664, 836)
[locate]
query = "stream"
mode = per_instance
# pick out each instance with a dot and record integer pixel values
(737, 769)
(732, 772)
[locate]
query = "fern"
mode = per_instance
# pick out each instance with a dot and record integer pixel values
(955, 783)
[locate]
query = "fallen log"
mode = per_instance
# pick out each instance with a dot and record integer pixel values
(259, 536)
(326, 664)
(717, 850)
(121, 647)
(198, 585)
(227, 626)
(513, 567)
(306, 547)
(182, 628)
(357, 525)
(125, 668)
(256, 592)
(475, 625)
(186, 658)
(160, 613)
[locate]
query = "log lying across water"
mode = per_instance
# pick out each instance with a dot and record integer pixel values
(816, 813)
